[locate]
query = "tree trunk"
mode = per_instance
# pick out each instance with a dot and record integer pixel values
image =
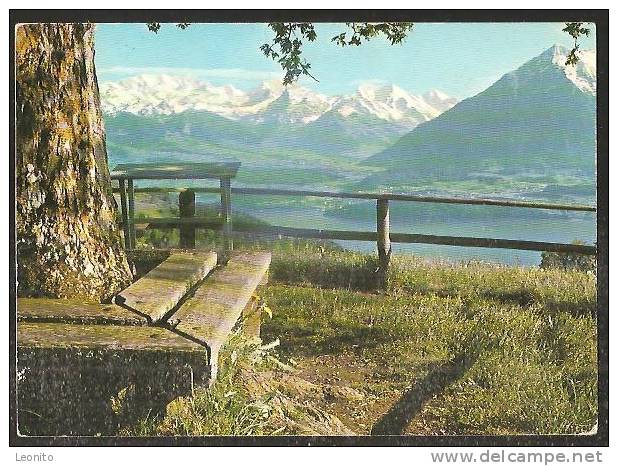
(68, 242)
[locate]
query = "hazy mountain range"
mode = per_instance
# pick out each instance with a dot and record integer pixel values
(271, 116)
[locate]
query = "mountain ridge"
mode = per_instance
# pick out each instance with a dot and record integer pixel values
(535, 121)
(270, 102)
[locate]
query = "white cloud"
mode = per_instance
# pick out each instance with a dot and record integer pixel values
(224, 73)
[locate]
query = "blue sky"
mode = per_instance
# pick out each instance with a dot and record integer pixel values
(460, 59)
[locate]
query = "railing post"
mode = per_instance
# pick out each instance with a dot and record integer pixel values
(384, 240)
(186, 207)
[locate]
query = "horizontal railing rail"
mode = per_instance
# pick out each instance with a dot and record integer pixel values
(376, 196)
(382, 236)
(347, 235)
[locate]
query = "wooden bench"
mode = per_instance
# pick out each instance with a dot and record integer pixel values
(162, 337)
(212, 312)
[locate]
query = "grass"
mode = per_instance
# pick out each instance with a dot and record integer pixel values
(224, 409)
(326, 265)
(254, 394)
(528, 336)
(553, 289)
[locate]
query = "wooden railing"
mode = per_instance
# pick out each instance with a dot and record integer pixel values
(187, 222)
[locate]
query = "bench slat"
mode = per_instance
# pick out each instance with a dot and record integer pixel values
(211, 313)
(75, 311)
(160, 290)
(101, 337)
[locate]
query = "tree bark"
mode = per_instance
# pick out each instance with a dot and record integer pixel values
(68, 241)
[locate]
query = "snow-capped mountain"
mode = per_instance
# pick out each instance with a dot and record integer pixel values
(537, 121)
(271, 102)
(295, 105)
(439, 100)
(583, 74)
(163, 94)
(167, 95)
(389, 103)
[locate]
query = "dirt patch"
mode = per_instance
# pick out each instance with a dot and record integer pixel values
(299, 405)
(351, 388)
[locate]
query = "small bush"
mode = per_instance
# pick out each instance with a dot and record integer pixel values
(569, 261)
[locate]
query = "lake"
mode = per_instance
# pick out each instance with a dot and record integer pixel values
(405, 217)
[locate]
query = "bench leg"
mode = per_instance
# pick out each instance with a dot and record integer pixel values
(226, 210)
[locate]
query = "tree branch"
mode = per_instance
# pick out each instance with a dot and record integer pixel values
(286, 46)
(575, 30)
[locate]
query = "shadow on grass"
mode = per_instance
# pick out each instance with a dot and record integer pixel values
(315, 338)
(399, 416)
(335, 270)
(520, 297)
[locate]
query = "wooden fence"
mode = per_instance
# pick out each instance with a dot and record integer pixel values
(188, 222)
